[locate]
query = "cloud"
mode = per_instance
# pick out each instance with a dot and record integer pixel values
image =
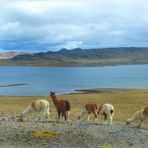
(41, 25)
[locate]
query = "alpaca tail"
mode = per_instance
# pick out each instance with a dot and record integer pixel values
(46, 112)
(68, 107)
(111, 111)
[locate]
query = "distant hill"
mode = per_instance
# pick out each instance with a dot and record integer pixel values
(82, 57)
(9, 55)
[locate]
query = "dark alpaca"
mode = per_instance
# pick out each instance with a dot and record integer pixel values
(62, 106)
(88, 109)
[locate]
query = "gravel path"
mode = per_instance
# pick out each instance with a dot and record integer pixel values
(69, 135)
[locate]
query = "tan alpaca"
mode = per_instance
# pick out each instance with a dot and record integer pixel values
(36, 106)
(140, 115)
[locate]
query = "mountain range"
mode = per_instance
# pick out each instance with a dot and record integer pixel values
(79, 57)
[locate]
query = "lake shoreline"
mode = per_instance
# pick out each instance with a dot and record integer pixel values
(79, 91)
(101, 90)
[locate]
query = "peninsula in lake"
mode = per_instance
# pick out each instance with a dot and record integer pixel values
(80, 57)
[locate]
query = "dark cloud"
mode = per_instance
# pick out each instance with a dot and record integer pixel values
(41, 25)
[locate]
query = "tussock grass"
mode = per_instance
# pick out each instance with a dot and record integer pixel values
(49, 134)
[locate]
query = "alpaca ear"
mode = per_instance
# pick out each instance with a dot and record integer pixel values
(53, 92)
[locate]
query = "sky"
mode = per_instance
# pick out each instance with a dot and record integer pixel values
(44, 25)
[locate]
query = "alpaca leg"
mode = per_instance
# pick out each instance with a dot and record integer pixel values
(106, 116)
(88, 117)
(46, 112)
(65, 116)
(68, 113)
(140, 123)
(101, 118)
(110, 119)
(59, 114)
(38, 116)
(112, 115)
(96, 120)
(105, 120)
(96, 116)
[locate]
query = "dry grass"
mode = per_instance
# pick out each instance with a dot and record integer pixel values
(126, 102)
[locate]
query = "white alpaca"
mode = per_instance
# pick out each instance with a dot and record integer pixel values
(140, 116)
(37, 106)
(106, 113)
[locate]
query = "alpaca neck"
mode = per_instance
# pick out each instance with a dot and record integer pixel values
(28, 110)
(100, 108)
(55, 100)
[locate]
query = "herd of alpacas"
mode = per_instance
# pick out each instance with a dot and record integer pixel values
(103, 114)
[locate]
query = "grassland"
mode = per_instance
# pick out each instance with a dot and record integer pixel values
(125, 101)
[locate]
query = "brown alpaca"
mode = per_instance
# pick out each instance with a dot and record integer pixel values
(88, 109)
(62, 106)
(145, 112)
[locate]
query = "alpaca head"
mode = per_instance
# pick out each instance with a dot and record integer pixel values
(20, 118)
(52, 93)
(127, 122)
(53, 97)
(79, 118)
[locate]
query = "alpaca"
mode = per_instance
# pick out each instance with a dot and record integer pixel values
(140, 115)
(106, 112)
(36, 106)
(88, 109)
(62, 107)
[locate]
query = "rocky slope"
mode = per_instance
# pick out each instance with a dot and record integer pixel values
(68, 135)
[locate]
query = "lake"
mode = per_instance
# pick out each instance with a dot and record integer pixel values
(30, 81)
